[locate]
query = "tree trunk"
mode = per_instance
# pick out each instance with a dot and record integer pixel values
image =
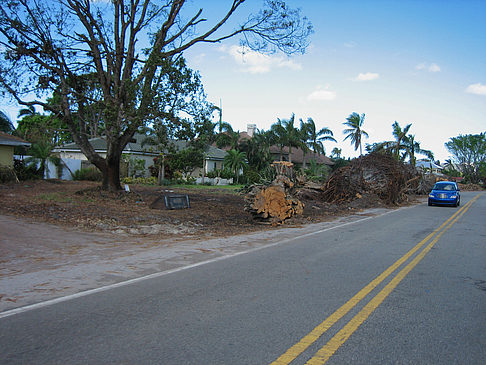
(111, 174)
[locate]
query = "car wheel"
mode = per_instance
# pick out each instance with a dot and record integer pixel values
(458, 202)
(430, 204)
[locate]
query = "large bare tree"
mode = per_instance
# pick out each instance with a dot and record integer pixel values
(111, 55)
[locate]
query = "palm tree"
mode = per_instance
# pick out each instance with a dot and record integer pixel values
(400, 136)
(286, 134)
(6, 124)
(412, 147)
(28, 111)
(336, 153)
(257, 149)
(235, 160)
(355, 132)
(160, 139)
(316, 138)
(40, 153)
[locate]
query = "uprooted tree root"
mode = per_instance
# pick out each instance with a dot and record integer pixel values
(374, 174)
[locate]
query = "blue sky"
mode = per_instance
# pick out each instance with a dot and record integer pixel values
(412, 61)
(419, 62)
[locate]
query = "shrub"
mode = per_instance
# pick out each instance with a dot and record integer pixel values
(140, 180)
(7, 174)
(89, 174)
(26, 172)
(252, 176)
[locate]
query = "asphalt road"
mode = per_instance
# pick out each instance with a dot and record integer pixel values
(408, 287)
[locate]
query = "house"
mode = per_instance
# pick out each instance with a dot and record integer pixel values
(428, 166)
(134, 151)
(7, 146)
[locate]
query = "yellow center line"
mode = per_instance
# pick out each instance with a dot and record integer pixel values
(342, 336)
(292, 353)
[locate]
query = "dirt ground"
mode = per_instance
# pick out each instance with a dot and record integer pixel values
(213, 212)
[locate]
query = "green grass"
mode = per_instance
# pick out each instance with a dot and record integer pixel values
(55, 197)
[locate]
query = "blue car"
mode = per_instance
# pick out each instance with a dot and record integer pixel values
(445, 193)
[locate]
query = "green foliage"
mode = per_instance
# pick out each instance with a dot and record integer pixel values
(136, 166)
(40, 153)
(317, 172)
(186, 160)
(339, 162)
(27, 172)
(88, 174)
(252, 177)
(470, 153)
(7, 174)
(140, 180)
(235, 161)
(45, 129)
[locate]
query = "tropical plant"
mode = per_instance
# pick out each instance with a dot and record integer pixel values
(285, 134)
(317, 172)
(355, 131)
(336, 153)
(235, 160)
(257, 150)
(412, 147)
(41, 153)
(316, 137)
(400, 136)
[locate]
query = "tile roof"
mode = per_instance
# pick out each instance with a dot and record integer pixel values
(298, 155)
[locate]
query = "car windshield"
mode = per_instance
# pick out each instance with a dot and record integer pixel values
(449, 187)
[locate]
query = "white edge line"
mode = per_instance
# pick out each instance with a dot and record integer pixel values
(66, 298)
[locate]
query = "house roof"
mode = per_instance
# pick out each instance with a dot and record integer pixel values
(427, 165)
(99, 144)
(9, 140)
(298, 155)
(135, 146)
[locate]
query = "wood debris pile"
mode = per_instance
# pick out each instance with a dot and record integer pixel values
(376, 175)
(275, 202)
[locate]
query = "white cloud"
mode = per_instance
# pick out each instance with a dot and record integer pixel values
(350, 44)
(478, 89)
(254, 62)
(433, 67)
(368, 76)
(321, 95)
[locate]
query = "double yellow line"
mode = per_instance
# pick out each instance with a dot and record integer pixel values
(335, 342)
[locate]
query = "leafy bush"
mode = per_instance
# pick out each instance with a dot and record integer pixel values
(27, 172)
(252, 176)
(224, 174)
(7, 174)
(89, 174)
